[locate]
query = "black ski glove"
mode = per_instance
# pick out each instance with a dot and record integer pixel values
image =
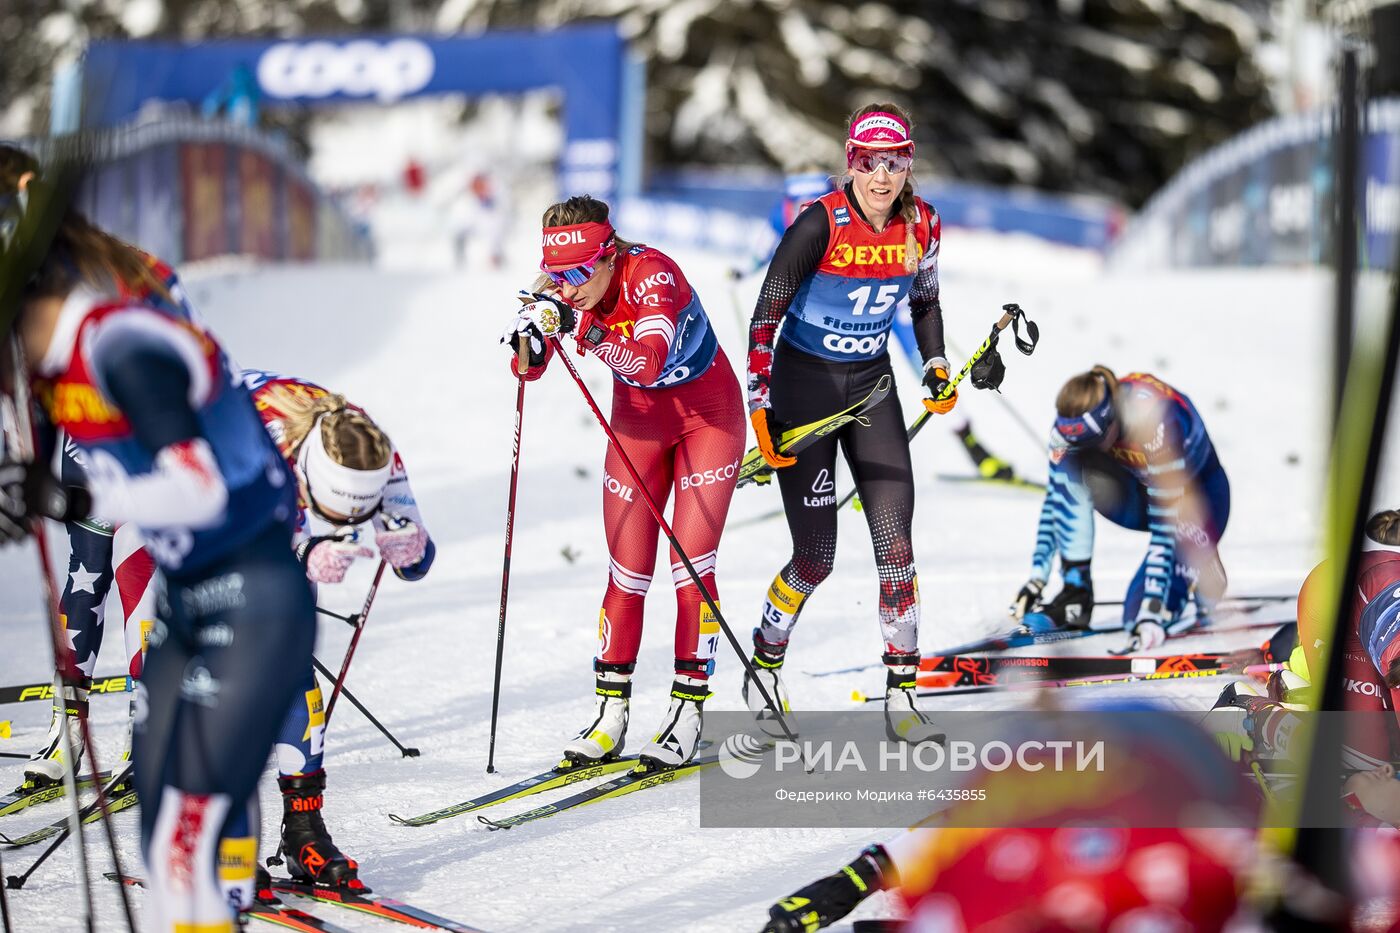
(29, 491)
(1028, 600)
(828, 899)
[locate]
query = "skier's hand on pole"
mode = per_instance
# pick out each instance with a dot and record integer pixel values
(548, 315)
(943, 395)
(29, 491)
(328, 558)
(763, 433)
(1028, 600)
(521, 331)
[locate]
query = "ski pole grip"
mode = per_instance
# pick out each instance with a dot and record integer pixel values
(522, 354)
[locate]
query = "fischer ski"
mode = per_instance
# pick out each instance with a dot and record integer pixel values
(556, 777)
(23, 693)
(1012, 482)
(120, 796)
(387, 908)
(274, 911)
(639, 778)
(27, 795)
(754, 469)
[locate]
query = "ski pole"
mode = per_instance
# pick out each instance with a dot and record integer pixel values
(522, 365)
(354, 640)
(66, 670)
(408, 752)
(1010, 313)
(671, 536)
(4, 903)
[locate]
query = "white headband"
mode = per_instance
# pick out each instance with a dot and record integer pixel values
(335, 487)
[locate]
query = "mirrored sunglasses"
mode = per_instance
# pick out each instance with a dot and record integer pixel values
(868, 161)
(581, 273)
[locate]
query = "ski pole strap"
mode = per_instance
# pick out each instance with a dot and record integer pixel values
(1015, 316)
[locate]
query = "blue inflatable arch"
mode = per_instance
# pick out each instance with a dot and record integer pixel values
(588, 64)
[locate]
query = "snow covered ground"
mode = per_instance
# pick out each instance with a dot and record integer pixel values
(418, 350)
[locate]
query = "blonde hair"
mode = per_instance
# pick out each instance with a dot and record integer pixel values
(905, 204)
(349, 436)
(1082, 392)
(582, 209)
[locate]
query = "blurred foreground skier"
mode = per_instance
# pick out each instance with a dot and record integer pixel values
(172, 444)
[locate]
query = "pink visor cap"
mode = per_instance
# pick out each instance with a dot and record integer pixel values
(880, 130)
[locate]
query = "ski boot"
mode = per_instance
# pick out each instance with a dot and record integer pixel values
(903, 720)
(679, 736)
(602, 739)
(310, 854)
(1072, 607)
(828, 899)
(47, 766)
(988, 466)
(768, 665)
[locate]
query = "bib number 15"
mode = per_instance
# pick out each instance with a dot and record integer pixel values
(884, 298)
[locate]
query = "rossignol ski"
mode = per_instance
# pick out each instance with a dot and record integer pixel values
(1230, 620)
(375, 905)
(274, 911)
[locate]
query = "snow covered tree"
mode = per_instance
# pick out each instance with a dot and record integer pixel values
(1102, 96)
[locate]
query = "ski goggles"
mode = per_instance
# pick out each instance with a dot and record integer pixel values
(1095, 428)
(571, 252)
(580, 273)
(868, 161)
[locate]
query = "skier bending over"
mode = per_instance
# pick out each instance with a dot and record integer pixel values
(676, 410)
(173, 445)
(833, 285)
(1136, 451)
(352, 483)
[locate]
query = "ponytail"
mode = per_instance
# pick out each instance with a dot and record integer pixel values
(350, 437)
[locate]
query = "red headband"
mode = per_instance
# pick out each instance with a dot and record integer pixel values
(880, 130)
(574, 244)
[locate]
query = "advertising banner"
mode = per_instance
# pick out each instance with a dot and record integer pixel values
(257, 198)
(203, 181)
(301, 221)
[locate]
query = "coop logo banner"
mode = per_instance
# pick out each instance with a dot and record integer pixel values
(385, 71)
(1147, 768)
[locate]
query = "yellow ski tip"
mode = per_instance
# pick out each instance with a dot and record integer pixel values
(857, 696)
(5, 729)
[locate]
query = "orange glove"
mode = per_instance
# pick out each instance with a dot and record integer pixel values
(761, 432)
(937, 380)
